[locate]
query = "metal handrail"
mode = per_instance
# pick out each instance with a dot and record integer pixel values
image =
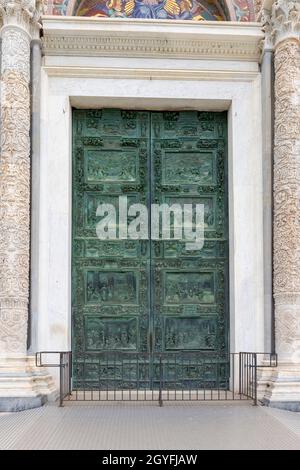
(65, 370)
(40, 363)
(170, 381)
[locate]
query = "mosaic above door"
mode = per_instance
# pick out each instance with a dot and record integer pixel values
(148, 296)
(199, 10)
(155, 9)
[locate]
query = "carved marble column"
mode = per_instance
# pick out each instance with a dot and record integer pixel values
(14, 176)
(284, 29)
(20, 20)
(287, 181)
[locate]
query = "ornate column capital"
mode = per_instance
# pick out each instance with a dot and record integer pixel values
(285, 20)
(24, 14)
(280, 21)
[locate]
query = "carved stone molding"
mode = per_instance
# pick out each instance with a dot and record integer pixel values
(146, 47)
(135, 38)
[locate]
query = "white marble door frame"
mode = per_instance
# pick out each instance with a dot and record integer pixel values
(240, 96)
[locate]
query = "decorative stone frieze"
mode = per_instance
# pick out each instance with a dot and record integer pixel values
(136, 38)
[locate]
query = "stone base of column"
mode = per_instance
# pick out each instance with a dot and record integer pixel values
(279, 387)
(23, 385)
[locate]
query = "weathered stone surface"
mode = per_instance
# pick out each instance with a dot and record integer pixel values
(20, 21)
(19, 382)
(285, 19)
(282, 28)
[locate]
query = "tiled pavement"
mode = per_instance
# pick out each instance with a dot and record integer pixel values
(147, 426)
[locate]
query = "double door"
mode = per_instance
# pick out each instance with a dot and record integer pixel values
(154, 295)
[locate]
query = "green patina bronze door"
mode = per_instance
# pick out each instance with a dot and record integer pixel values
(147, 296)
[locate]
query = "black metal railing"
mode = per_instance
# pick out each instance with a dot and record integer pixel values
(129, 376)
(63, 361)
(179, 376)
(248, 365)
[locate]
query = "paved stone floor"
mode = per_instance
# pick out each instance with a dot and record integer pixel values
(146, 426)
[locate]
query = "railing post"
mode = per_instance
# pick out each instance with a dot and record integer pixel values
(233, 373)
(240, 373)
(70, 372)
(255, 379)
(247, 375)
(160, 401)
(61, 392)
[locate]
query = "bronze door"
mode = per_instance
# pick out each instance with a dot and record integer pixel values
(147, 297)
